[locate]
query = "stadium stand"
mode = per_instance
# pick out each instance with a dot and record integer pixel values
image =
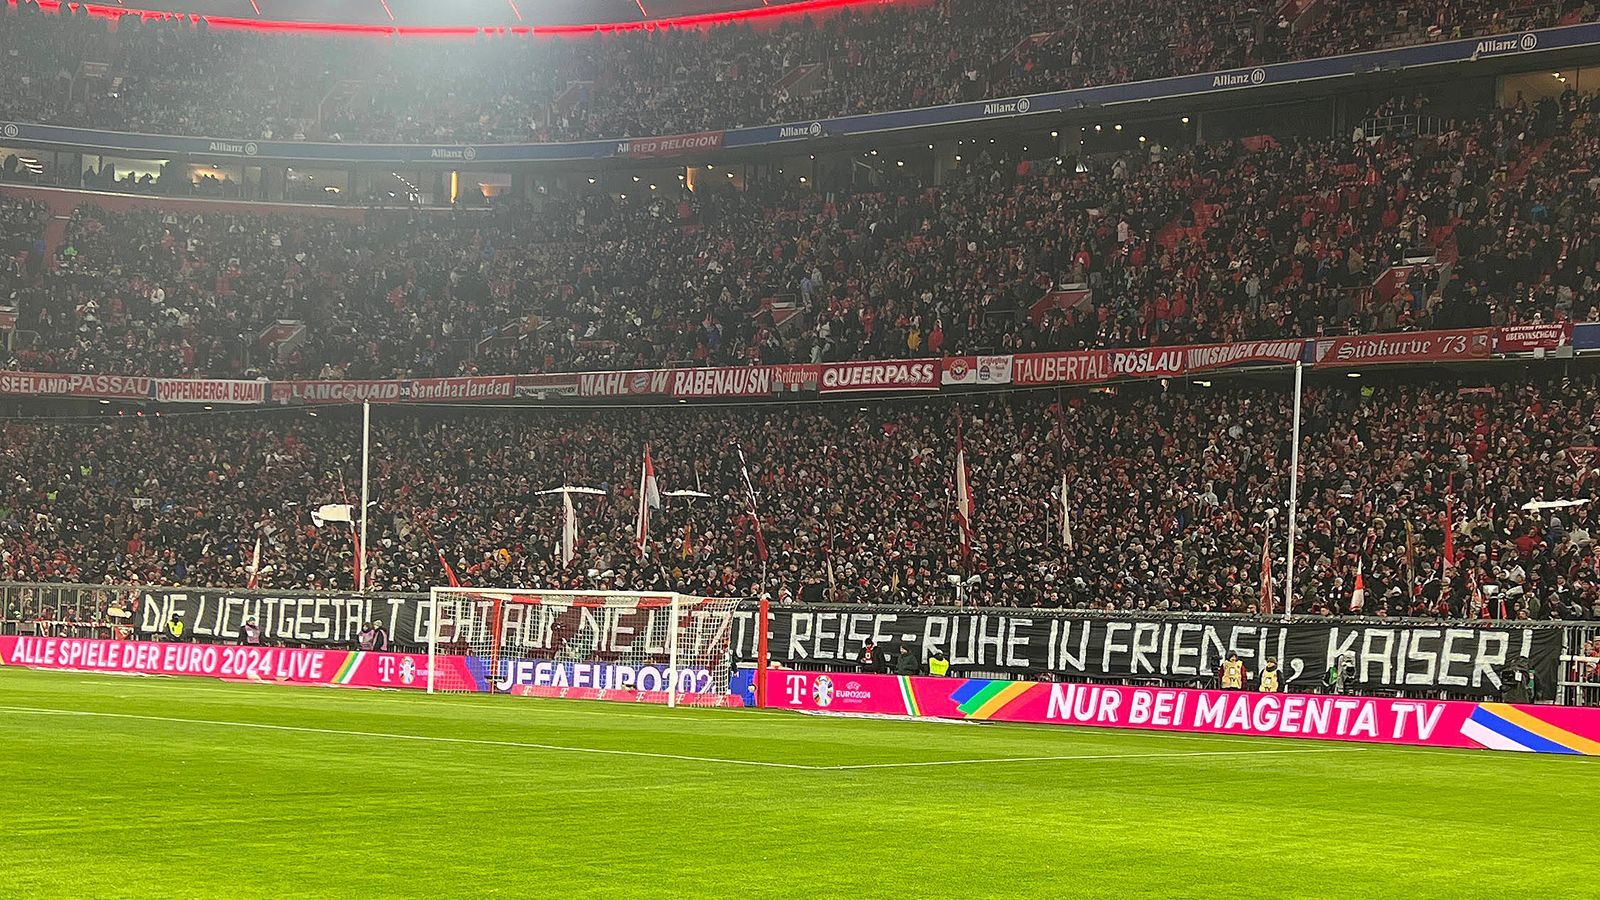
(1478, 219)
(1485, 222)
(172, 77)
(1172, 492)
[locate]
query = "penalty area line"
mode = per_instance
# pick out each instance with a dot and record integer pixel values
(399, 736)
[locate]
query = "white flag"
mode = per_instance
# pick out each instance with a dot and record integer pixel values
(1066, 515)
(569, 531)
(334, 512)
(255, 565)
(1358, 597)
(964, 504)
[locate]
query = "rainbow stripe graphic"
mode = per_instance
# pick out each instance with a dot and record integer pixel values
(1500, 726)
(979, 698)
(908, 694)
(347, 670)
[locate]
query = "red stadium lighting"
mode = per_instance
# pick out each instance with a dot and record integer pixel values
(696, 21)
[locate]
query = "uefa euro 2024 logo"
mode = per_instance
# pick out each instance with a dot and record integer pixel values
(408, 670)
(822, 690)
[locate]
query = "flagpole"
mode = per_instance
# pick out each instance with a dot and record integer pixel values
(755, 517)
(366, 459)
(1294, 495)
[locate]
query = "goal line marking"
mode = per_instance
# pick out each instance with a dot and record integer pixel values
(558, 748)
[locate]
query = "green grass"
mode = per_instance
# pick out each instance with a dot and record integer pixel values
(129, 804)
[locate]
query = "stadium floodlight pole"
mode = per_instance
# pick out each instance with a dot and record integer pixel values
(1294, 495)
(366, 459)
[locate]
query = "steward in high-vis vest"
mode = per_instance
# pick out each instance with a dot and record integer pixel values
(1233, 673)
(175, 630)
(938, 665)
(1271, 678)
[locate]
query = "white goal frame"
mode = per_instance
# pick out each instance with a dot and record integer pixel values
(445, 631)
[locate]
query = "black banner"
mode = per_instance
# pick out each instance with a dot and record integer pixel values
(1459, 659)
(1448, 657)
(336, 620)
(309, 620)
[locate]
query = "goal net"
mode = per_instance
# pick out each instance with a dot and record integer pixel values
(599, 645)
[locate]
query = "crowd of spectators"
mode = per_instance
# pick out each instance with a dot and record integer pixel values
(161, 292)
(21, 250)
(1215, 242)
(1172, 492)
(174, 76)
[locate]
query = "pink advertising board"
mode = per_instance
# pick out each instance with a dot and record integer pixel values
(349, 668)
(1383, 720)
(625, 696)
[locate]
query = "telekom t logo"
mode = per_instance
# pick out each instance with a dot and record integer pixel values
(385, 669)
(797, 689)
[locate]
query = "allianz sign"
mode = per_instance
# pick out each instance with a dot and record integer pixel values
(1239, 79)
(1491, 46)
(1007, 107)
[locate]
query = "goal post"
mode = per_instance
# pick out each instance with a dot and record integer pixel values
(645, 647)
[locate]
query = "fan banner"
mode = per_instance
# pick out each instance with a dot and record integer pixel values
(726, 381)
(306, 619)
(1528, 338)
(977, 370)
(544, 387)
(210, 390)
(478, 387)
(797, 376)
(1207, 357)
(892, 375)
(108, 387)
(1095, 366)
(670, 145)
(1565, 730)
(286, 665)
(1465, 660)
(642, 382)
(334, 392)
(1406, 347)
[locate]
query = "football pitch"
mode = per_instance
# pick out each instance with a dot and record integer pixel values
(153, 787)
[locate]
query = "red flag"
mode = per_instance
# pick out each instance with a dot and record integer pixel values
(649, 498)
(1266, 572)
(1449, 538)
(688, 539)
(1358, 597)
(355, 541)
(761, 542)
(449, 573)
